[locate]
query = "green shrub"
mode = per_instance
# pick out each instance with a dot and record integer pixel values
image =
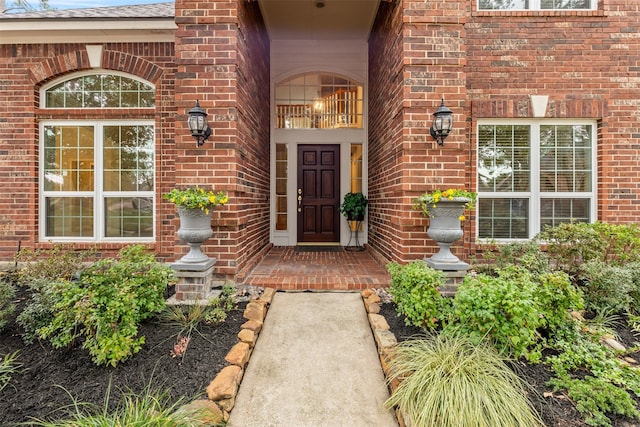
(557, 297)
(39, 266)
(634, 293)
(450, 382)
(414, 288)
(527, 255)
(7, 307)
(595, 379)
(106, 305)
(571, 245)
(606, 287)
(503, 310)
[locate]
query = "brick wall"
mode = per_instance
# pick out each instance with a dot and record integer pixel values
(587, 63)
(417, 55)
(222, 56)
(23, 71)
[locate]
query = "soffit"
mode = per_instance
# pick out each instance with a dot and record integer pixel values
(303, 20)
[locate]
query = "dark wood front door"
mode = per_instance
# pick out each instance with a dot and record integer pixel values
(318, 193)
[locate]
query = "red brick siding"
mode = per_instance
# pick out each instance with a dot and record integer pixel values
(23, 71)
(223, 61)
(417, 57)
(588, 65)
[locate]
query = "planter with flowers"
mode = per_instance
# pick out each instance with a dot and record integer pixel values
(195, 206)
(445, 210)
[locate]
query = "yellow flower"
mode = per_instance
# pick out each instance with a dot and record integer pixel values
(462, 217)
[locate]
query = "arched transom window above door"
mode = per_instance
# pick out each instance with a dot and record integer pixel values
(319, 101)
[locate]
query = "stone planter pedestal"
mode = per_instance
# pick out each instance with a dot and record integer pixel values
(194, 271)
(444, 228)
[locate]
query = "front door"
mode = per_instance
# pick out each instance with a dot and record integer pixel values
(318, 194)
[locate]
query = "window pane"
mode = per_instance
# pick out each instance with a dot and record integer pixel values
(100, 91)
(128, 158)
(69, 216)
(565, 158)
(503, 4)
(128, 217)
(319, 100)
(68, 153)
(503, 218)
(564, 4)
(503, 158)
(557, 211)
(281, 186)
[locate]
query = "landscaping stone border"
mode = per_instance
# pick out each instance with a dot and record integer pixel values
(385, 341)
(222, 390)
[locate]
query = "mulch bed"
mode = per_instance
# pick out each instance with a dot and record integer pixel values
(53, 378)
(557, 410)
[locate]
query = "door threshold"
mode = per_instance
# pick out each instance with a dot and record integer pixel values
(318, 244)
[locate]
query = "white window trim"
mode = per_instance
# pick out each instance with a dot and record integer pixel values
(535, 194)
(535, 5)
(98, 194)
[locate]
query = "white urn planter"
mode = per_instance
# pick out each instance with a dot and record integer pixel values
(444, 228)
(195, 229)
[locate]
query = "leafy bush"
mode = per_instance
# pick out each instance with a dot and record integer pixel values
(605, 387)
(450, 382)
(106, 305)
(527, 255)
(7, 307)
(39, 269)
(502, 309)
(414, 288)
(571, 245)
(43, 265)
(606, 287)
(634, 293)
(557, 297)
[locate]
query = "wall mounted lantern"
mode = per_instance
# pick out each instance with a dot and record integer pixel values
(198, 125)
(442, 123)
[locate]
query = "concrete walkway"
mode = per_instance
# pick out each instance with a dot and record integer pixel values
(315, 364)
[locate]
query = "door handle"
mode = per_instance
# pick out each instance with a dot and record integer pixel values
(299, 199)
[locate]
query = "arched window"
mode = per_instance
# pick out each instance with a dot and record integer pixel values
(319, 101)
(97, 175)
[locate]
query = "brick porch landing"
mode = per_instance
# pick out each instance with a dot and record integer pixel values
(285, 269)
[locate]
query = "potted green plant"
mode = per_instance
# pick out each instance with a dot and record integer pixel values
(354, 206)
(195, 206)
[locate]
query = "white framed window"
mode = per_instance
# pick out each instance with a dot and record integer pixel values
(537, 4)
(319, 101)
(532, 174)
(97, 176)
(98, 181)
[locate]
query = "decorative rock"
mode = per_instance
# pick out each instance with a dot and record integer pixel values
(248, 336)
(614, 344)
(631, 360)
(227, 404)
(373, 308)
(384, 339)
(205, 411)
(378, 322)
(225, 384)
(255, 311)
(239, 354)
(268, 295)
(577, 316)
(252, 325)
(367, 293)
(373, 299)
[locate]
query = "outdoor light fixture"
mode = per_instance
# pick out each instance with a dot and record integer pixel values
(442, 123)
(198, 125)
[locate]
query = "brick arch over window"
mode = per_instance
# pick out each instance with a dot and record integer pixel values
(79, 60)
